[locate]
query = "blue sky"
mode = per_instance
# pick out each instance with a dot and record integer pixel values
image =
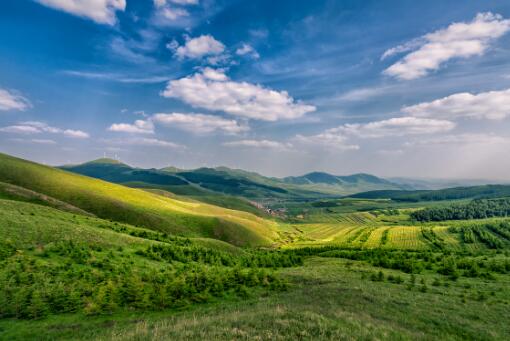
(394, 88)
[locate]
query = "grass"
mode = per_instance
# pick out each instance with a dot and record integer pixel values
(138, 207)
(372, 273)
(328, 299)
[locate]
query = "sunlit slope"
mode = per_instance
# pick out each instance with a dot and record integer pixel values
(366, 231)
(137, 207)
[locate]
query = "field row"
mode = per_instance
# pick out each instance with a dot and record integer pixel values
(417, 237)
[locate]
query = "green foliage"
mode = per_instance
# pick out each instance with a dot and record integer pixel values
(71, 277)
(476, 209)
(473, 192)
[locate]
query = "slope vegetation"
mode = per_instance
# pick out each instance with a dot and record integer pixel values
(473, 192)
(138, 207)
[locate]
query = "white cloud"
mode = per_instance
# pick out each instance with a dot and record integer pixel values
(339, 137)
(100, 11)
(161, 3)
(10, 100)
(77, 134)
(492, 105)
(327, 139)
(114, 77)
(462, 140)
(247, 50)
(34, 127)
(20, 129)
(214, 75)
(363, 94)
(459, 40)
(139, 127)
(173, 13)
(235, 98)
(409, 46)
(199, 123)
(43, 141)
(263, 144)
(196, 48)
(398, 126)
(147, 142)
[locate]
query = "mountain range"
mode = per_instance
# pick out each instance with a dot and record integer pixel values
(223, 183)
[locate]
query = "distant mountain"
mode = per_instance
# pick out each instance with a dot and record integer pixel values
(232, 188)
(325, 178)
(434, 184)
(473, 192)
(342, 185)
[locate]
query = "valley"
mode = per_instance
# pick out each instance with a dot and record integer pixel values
(87, 259)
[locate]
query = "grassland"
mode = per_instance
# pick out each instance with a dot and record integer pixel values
(138, 207)
(329, 299)
(75, 266)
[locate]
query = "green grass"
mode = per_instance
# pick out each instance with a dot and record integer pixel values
(73, 266)
(330, 299)
(138, 207)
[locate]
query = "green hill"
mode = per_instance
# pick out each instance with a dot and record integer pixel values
(473, 192)
(138, 207)
(232, 188)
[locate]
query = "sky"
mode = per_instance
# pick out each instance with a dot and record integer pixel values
(394, 88)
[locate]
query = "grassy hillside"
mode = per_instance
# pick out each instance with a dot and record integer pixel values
(138, 207)
(55, 262)
(206, 183)
(371, 274)
(329, 299)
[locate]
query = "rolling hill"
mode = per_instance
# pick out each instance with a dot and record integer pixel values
(473, 192)
(230, 187)
(133, 206)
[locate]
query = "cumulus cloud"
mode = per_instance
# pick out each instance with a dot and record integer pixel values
(195, 48)
(139, 127)
(220, 93)
(199, 123)
(492, 105)
(34, 127)
(262, 144)
(459, 40)
(100, 11)
(339, 137)
(10, 100)
(247, 50)
(398, 126)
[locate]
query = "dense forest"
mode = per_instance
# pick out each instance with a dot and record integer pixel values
(475, 192)
(476, 209)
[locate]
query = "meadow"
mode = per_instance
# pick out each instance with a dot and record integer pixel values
(348, 268)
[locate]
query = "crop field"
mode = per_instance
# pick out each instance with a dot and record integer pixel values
(392, 231)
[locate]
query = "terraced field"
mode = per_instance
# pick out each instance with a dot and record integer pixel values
(365, 230)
